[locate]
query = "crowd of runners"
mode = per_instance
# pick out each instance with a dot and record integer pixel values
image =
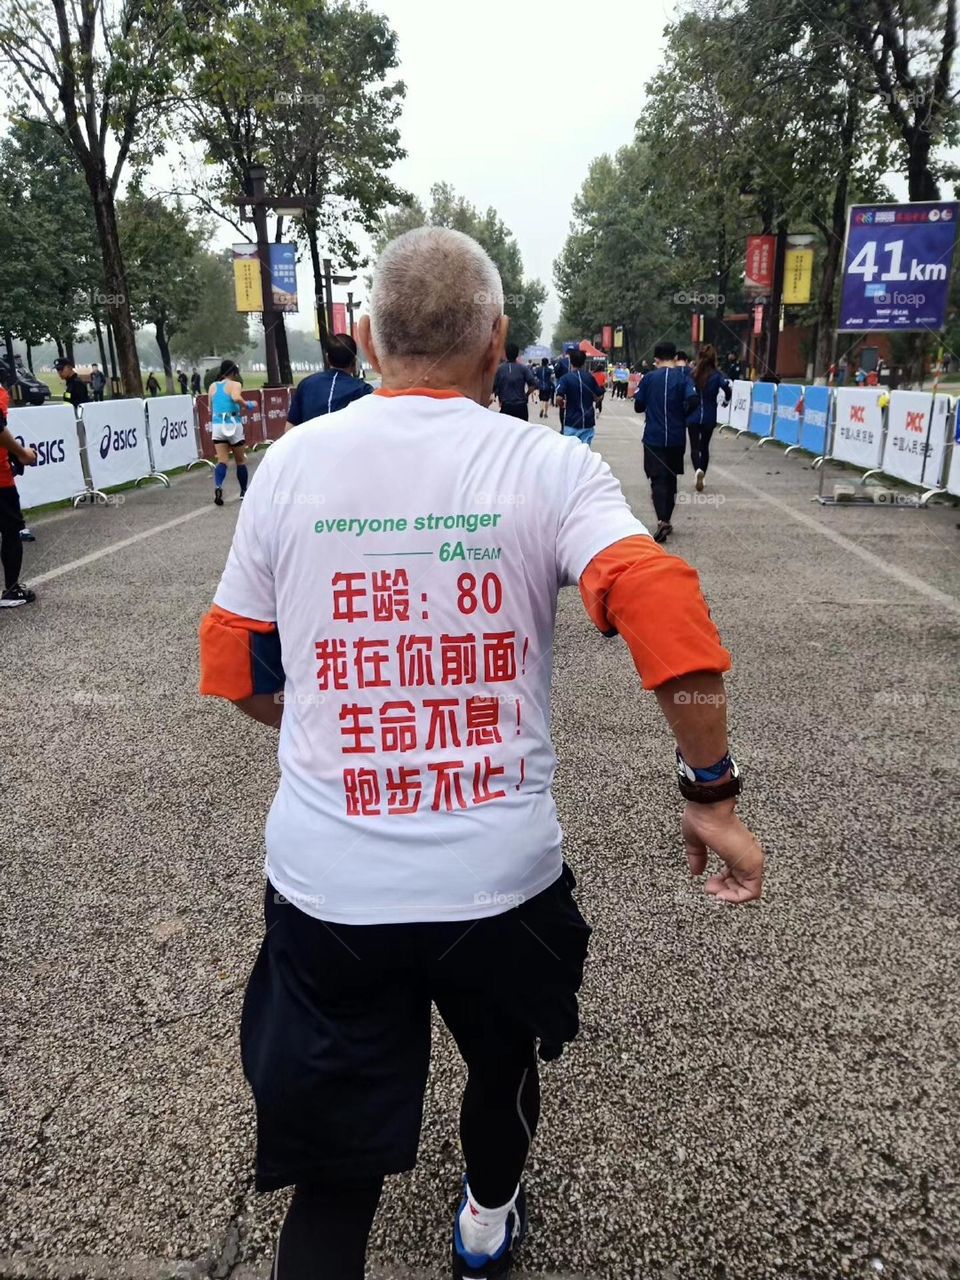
(678, 396)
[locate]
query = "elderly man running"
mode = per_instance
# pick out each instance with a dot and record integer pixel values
(413, 851)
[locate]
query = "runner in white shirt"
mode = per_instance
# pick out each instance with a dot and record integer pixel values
(394, 573)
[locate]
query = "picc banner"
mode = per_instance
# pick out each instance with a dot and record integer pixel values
(815, 421)
(762, 405)
(786, 426)
(858, 435)
(170, 431)
(117, 448)
(740, 405)
(252, 424)
(51, 429)
(953, 478)
(916, 437)
(276, 405)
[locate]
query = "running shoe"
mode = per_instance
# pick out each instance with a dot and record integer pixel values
(16, 595)
(218, 497)
(663, 532)
(27, 535)
(496, 1266)
(699, 481)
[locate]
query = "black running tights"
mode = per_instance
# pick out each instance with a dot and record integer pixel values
(324, 1235)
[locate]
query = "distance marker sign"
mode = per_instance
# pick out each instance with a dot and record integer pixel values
(896, 267)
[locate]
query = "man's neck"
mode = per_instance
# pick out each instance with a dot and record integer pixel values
(433, 378)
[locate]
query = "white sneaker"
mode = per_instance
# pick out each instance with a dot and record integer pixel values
(699, 481)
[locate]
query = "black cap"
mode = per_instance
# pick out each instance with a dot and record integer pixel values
(62, 363)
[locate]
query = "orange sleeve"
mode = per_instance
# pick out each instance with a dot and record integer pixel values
(654, 601)
(238, 656)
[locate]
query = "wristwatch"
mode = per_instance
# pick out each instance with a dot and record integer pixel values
(695, 783)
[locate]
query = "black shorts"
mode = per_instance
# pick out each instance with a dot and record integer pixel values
(335, 1034)
(660, 458)
(516, 411)
(11, 515)
(546, 397)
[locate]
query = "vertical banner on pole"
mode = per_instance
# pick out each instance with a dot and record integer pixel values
(816, 420)
(762, 406)
(786, 427)
(858, 434)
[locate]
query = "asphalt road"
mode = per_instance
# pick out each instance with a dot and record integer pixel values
(769, 1092)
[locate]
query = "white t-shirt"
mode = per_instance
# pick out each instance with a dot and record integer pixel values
(410, 549)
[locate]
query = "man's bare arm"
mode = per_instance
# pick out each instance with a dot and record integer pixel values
(267, 708)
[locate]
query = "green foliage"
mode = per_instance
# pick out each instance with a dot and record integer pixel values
(50, 268)
(523, 299)
(214, 327)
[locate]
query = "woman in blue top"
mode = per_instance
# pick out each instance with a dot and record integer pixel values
(709, 382)
(226, 427)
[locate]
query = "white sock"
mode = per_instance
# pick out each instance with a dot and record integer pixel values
(483, 1230)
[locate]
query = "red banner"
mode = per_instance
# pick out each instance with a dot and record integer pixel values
(338, 323)
(276, 404)
(607, 343)
(761, 251)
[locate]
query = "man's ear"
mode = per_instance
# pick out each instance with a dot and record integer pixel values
(365, 342)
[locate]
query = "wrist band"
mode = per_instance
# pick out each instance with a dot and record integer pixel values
(711, 774)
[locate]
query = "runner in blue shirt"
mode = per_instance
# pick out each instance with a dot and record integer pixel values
(668, 397)
(545, 382)
(577, 396)
(331, 389)
(709, 382)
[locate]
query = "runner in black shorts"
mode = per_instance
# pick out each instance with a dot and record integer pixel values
(11, 517)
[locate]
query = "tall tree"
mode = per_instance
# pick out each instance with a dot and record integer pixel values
(215, 327)
(304, 90)
(909, 46)
(162, 250)
(100, 73)
(50, 273)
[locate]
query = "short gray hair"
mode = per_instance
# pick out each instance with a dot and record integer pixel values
(435, 293)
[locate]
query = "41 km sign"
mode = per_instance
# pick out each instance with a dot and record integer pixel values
(896, 266)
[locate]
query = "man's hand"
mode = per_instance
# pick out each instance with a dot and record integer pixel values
(717, 827)
(28, 457)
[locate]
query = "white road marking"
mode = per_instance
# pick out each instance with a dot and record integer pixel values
(39, 579)
(903, 576)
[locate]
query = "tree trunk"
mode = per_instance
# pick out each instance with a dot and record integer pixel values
(59, 341)
(283, 352)
(30, 356)
(921, 184)
(68, 346)
(103, 351)
(114, 278)
(826, 342)
(163, 345)
(317, 267)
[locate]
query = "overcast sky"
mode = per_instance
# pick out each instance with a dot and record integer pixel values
(504, 103)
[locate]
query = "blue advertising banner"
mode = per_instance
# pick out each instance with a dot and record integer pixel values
(787, 424)
(761, 409)
(816, 418)
(896, 266)
(283, 277)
